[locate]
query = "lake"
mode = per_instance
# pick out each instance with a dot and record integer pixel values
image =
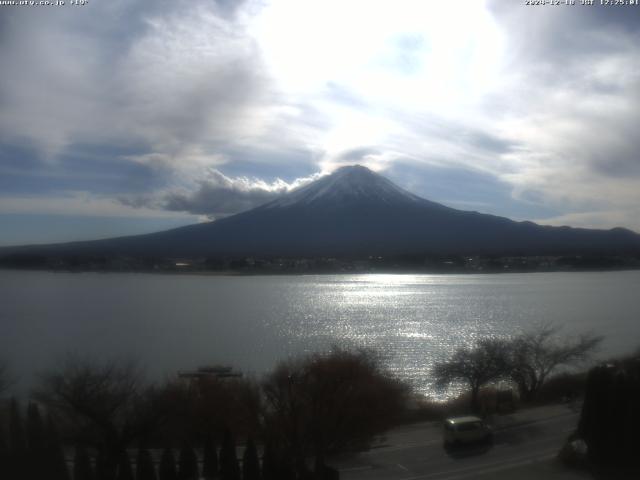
(174, 322)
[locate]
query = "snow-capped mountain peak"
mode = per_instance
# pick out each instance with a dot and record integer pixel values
(351, 212)
(347, 184)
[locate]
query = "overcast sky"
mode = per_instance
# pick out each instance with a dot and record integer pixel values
(122, 117)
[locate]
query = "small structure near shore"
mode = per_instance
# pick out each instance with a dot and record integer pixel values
(208, 372)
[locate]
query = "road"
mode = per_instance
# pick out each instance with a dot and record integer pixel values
(415, 452)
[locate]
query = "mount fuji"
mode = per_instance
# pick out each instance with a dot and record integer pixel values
(353, 212)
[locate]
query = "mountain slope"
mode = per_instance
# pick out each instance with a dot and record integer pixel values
(354, 211)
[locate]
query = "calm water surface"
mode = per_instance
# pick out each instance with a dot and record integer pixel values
(172, 322)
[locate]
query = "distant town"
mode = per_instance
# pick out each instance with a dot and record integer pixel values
(318, 265)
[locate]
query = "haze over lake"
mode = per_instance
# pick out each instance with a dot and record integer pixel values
(173, 322)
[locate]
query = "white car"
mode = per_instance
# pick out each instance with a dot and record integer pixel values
(465, 430)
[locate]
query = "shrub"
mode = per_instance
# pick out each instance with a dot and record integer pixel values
(188, 463)
(82, 465)
(124, 467)
(229, 469)
(210, 460)
(145, 469)
(36, 443)
(250, 463)
(168, 466)
(17, 442)
(56, 462)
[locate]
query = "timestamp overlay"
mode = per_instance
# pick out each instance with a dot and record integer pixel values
(44, 3)
(584, 3)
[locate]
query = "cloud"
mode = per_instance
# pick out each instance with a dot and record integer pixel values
(595, 219)
(533, 110)
(173, 79)
(80, 203)
(218, 195)
(568, 105)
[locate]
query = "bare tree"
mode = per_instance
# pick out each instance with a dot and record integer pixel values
(535, 355)
(477, 366)
(105, 404)
(322, 404)
(196, 408)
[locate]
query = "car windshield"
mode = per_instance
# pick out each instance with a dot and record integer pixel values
(463, 427)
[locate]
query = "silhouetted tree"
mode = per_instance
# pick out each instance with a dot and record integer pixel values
(210, 460)
(534, 356)
(250, 462)
(56, 464)
(323, 472)
(476, 367)
(269, 463)
(82, 469)
(610, 419)
(188, 464)
(167, 466)
(125, 472)
(286, 470)
(145, 469)
(229, 469)
(278, 465)
(36, 443)
(105, 466)
(209, 403)
(321, 404)
(4, 455)
(106, 402)
(17, 442)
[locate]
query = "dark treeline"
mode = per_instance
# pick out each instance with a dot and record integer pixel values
(213, 423)
(610, 419)
(115, 426)
(30, 446)
(273, 265)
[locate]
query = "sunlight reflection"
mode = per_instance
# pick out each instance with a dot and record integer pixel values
(411, 321)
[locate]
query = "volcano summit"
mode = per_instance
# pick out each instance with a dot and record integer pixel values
(353, 212)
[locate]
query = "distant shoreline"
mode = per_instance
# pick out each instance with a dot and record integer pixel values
(234, 265)
(238, 273)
